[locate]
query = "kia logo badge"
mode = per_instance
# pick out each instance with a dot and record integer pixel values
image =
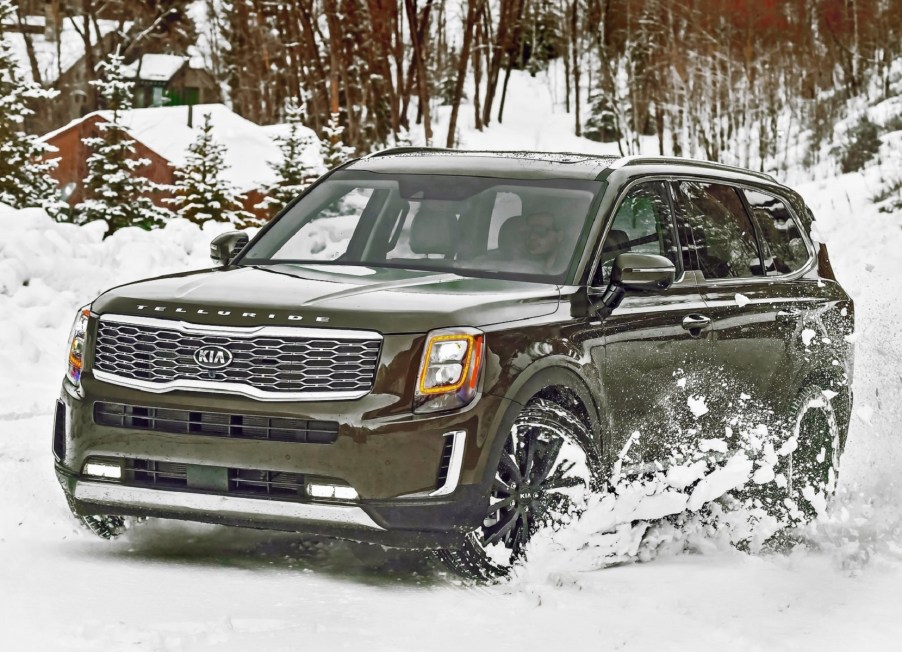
(213, 357)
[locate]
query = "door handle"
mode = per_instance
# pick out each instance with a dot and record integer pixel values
(696, 323)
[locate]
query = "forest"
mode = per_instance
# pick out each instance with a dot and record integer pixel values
(717, 79)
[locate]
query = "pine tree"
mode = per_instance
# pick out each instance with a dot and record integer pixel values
(335, 152)
(201, 193)
(114, 189)
(293, 173)
(24, 175)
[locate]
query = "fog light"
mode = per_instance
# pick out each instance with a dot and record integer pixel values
(103, 470)
(335, 492)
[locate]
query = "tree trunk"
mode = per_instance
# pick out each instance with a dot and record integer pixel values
(473, 8)
(574, 27)
(418, 38)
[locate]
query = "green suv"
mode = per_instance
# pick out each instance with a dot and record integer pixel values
(447, 350)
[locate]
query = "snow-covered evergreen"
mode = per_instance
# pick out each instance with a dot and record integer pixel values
(114, 188)
(24, 175)
(293, 172)
(335, 152)
(201, 193)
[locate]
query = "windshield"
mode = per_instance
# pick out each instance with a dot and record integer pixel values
(471, 226)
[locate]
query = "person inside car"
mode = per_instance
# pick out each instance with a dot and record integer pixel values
(543, 241)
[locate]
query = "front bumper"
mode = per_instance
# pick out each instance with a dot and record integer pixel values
(392, 462)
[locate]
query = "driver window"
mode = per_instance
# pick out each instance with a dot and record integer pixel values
(644, 224)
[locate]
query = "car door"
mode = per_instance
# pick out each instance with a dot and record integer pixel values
(798, 298)
(749, 348)
(655, 343)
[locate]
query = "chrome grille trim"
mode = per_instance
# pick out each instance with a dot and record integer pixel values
(243, 331)
(290, 369)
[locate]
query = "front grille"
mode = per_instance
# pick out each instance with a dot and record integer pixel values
(161, 354)
(240, 482)
(215, 424)
(248, 482)
(149, 473)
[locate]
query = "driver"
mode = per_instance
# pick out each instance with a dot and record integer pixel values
(543, 240)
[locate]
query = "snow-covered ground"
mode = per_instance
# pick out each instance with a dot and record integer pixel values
(181, 586)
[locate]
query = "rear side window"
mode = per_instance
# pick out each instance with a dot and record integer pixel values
(643, 224)
(783, 248)
(724, 240)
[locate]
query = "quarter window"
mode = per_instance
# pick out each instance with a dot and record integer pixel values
(784, 250)
(723, 237)
(643, 223)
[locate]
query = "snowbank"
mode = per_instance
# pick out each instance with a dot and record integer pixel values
(48, 270)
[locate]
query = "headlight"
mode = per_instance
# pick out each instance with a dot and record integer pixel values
(77, 346)
(449, 370)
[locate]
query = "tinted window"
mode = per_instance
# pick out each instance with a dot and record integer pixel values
(487, 226)
(724, 241)
(783, 247)
(643, 223)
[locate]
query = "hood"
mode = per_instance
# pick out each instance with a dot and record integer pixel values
(332, 296)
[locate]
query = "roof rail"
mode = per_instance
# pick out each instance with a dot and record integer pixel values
(538, 154)
(651, 160)
(390, 151)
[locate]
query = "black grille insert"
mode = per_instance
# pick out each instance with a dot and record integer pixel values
(150, 473)
(253, 483)
(445, 463)
(215, 424)
(59, 431)
(250, 482)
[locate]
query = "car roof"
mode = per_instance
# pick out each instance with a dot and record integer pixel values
(530, 165)
(514, 164)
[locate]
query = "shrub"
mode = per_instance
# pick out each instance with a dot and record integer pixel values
(862, 142)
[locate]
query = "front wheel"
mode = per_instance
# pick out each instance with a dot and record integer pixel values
(105, 526)
(548, 467)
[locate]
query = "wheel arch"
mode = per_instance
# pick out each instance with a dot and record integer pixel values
(834, 379)
(557, 383)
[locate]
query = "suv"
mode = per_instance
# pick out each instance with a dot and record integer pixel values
(445, 350)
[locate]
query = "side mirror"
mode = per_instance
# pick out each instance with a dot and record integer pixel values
(226, 246)
(640, 272)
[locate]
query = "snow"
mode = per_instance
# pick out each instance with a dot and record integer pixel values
(51, 63)
(249, 147)
(182, 586)
(697, 406)
(155, 67)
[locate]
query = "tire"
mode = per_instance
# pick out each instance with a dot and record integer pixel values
(548, 467)
(811, 470)
(105, 526)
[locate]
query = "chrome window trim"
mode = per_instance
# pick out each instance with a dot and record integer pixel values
(792, 276)
(187, 504)
(217, 387)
